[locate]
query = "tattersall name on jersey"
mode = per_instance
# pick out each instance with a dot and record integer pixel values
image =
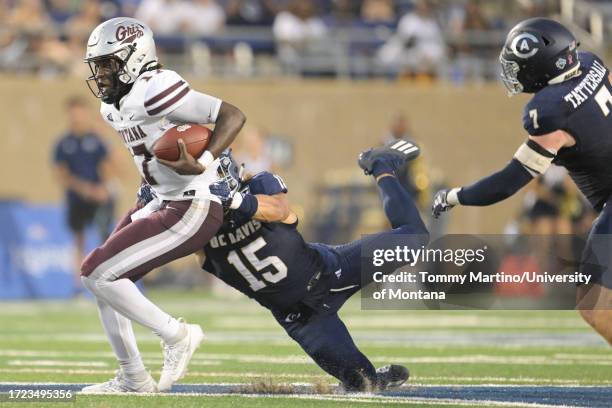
(240, 233)
(587, 86)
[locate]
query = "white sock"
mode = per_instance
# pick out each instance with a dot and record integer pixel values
(134, 368)
(124, 297)
(123, 342)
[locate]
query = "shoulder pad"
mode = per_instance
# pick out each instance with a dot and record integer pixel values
(165, 91)
(267, 183)
(546, 112)
(586, 59)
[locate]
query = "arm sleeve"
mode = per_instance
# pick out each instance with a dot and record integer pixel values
(497, 186)
(197, 108)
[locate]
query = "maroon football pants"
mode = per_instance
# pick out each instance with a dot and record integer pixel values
(177, 229)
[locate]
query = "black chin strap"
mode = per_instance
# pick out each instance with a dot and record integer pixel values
(122, 90)
(150, 66)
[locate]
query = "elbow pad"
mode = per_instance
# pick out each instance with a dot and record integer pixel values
(534, 158)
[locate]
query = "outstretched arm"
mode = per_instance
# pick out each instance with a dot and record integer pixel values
(494, 188)
(530, 160)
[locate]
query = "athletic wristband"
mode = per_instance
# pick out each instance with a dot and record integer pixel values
(248, 206)
(453, 196)
(206, 159)
(236, 201)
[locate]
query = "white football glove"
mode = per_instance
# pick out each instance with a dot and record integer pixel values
(444, 200)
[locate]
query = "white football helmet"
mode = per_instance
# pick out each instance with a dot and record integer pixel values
(118, 51)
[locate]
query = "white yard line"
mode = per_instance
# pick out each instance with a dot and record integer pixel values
(55, 363)
(216, 358)
(191, 373)
(416, 380)
(432, 339)
(537, 382)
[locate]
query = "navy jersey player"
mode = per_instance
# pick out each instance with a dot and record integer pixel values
(260, 252)
(569, 124)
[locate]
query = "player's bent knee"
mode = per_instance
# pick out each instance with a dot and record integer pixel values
(89, 283)
(91, 262)
(88, 265)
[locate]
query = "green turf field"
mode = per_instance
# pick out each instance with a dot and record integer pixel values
(63, 342)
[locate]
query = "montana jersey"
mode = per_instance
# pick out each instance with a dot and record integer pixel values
(269, 262)
(141, 121)
(581, 106)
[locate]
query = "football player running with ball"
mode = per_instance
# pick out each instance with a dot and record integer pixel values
(140, 100)
(569, 123)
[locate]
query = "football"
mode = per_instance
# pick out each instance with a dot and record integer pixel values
(196, 138)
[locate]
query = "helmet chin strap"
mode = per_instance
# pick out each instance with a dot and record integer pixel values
(566, 75)
(120, 89)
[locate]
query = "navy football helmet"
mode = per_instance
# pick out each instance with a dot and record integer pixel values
(538, 52)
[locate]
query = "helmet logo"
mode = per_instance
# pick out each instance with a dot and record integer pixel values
(524, 45)
(129, 34)
(561, 63)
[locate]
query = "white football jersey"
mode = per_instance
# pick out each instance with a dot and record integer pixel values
(141, 121)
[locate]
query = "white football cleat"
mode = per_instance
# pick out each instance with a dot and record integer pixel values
(177, 356)
(121, 384)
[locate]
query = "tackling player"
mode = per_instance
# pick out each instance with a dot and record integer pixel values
(140, 100)
(260, 252)
(569, 124)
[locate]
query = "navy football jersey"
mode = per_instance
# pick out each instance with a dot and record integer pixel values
(581, 106)
(269, 262)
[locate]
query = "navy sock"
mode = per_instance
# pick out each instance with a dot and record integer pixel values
(381, 167)
(399, 206)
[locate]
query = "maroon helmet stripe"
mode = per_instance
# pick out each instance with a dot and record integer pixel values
(168, 104)
(163, 94)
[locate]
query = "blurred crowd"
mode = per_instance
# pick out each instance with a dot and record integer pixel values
(400, 36)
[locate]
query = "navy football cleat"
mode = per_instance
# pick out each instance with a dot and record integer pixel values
(394, 154)
(391, 376)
